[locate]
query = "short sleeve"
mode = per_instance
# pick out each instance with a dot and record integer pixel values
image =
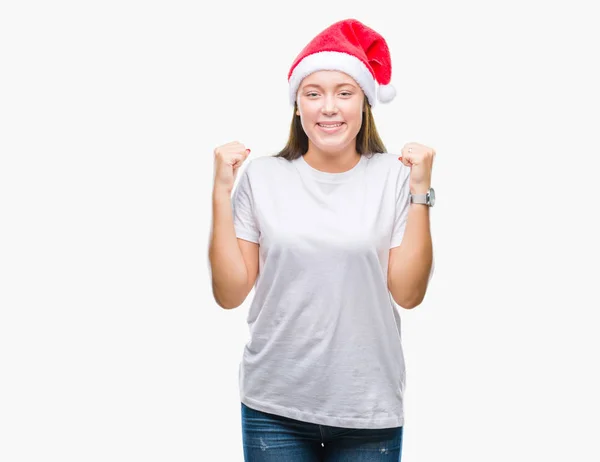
(244, 217)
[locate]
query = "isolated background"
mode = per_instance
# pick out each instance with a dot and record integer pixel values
(111, 345)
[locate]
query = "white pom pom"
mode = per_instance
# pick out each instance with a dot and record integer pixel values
(386, 93)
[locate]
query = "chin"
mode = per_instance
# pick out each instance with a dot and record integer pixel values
(329, 148)
(332, 146)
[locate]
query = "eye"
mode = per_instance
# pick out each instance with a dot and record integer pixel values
(311, 93)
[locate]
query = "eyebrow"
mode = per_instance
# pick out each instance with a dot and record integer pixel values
(320, 87)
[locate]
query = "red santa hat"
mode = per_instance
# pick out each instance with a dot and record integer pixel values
(350, 47)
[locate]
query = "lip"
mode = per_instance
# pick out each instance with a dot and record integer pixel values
(331, 130)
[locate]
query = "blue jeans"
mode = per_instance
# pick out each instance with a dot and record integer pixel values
(273, 438)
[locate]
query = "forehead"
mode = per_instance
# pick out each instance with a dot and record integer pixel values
(328, 78)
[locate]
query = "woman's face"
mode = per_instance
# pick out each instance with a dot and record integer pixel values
(330, 106)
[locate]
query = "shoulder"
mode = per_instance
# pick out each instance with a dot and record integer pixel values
(260, 171)
(264, 164)
(385, 162)
(382, 157)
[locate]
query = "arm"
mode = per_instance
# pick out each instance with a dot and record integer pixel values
(228, 269)
(410, 263)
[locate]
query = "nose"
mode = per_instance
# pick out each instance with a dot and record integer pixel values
(329, 106)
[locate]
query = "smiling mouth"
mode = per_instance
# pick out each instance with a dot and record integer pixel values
(330, 128)
(331, 125)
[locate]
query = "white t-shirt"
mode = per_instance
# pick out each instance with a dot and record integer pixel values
(325, 334)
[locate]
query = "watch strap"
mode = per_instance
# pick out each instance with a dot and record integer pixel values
(418, 198)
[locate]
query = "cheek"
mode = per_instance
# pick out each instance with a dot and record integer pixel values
(352, 111)
(308, 115)
(356, 117)
(309, 110)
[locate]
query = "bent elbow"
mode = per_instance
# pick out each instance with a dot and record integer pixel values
(227, 303)
(408, 303)
(402, 302)
(415, 302)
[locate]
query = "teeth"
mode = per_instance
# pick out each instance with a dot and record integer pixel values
(330, 126)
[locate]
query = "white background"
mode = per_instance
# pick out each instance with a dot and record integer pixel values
(111, 345)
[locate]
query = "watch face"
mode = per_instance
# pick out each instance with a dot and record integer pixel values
(431, 197)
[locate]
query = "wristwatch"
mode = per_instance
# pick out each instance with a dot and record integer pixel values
(428, 199)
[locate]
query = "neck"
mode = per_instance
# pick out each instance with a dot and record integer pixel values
(332, 161)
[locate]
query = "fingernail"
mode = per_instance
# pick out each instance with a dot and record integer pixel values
(247, 151)
(400, 158)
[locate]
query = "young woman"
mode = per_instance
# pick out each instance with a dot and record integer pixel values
(328, 232)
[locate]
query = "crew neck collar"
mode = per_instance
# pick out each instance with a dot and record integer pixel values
(327, 177)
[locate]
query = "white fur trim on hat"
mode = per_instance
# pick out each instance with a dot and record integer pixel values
(334, 61)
